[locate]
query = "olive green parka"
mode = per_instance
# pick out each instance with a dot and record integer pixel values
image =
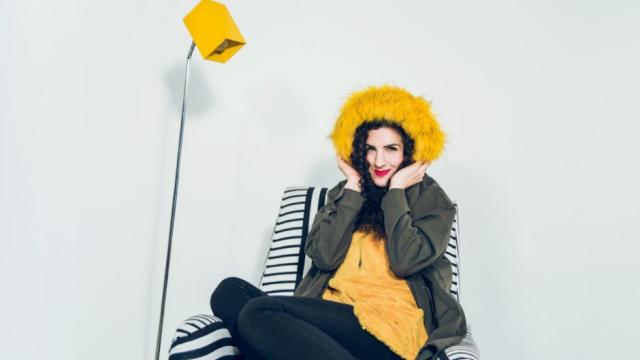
(417, 223)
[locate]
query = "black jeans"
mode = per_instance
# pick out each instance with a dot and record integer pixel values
(292, 327)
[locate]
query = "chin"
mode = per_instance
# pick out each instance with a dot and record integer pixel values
(381, 183)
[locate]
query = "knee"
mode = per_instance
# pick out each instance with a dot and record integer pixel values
(253, 314)
(221, 294)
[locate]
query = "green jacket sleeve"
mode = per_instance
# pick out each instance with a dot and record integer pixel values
(330, 234)
(416, 240)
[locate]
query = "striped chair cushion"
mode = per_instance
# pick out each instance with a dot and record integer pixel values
(204, 337)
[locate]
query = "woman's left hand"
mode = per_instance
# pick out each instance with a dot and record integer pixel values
(410, 175)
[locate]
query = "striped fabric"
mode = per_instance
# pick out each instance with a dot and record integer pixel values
(284, 268)
(453, 256)
(465, 350)
(203, 337)
(286, 262)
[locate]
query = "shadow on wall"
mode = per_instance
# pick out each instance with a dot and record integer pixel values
(324, 173)
(200, 98)
(277, 110)
(487, 244)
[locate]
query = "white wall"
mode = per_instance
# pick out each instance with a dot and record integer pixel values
(539, 100)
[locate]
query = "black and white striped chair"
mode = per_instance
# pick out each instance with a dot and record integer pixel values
(204, 337)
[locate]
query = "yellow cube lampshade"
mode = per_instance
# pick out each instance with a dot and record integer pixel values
(214, 31)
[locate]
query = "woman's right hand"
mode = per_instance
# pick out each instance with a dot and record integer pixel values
(353, 177)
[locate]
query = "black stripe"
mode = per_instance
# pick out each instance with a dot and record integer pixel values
(452, 254)
(283, 247)
(207, 318)
(285, 264)
(287, 221)
(290, 212)
(280, 256)
(294, 203)
(288, 229)
(192, 324)
(282, 273)
(286, 238)
(305, 226)
(277, 291)
(321, 198)
(198, 320)
(292, 190)
(183, 331)
(292, 196)
(278, 282)
(458, 275)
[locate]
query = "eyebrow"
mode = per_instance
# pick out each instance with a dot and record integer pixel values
(369, 145)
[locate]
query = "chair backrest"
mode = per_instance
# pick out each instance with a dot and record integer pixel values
(286, 262)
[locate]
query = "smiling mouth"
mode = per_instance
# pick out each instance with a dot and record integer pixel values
(381, 173)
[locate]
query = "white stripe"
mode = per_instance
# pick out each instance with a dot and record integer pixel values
(218, 353)
(281, 268)
(276, 287)
(287, 251)
(188, 327)
(287, 235)
(291, 277)
(295, 188)
(297, 207)
(293, 216)
(283, 260)
(286, 242)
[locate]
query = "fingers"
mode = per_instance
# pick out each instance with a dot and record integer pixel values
(341, 162)
(422, 171)
(421, 166)
(421, 163)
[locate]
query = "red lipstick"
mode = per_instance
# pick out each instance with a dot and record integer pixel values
(381, 173)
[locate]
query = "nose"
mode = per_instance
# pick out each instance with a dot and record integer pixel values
(379, 160)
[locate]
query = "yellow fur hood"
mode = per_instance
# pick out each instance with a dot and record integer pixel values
(412, 113)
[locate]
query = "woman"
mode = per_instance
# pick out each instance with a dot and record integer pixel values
(378, 284)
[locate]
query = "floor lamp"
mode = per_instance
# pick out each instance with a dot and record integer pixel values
(217, 37)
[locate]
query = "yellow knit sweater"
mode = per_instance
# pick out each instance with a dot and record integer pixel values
(382, 302)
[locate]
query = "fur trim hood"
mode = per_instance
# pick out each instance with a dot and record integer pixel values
(412, 113)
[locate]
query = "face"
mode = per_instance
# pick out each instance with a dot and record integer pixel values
(384, 154)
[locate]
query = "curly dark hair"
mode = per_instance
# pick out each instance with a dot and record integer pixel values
(370, 219)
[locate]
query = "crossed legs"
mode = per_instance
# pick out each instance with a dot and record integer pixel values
(292, 327)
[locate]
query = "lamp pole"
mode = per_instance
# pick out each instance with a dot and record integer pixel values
(175, 199)
(218, 38)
